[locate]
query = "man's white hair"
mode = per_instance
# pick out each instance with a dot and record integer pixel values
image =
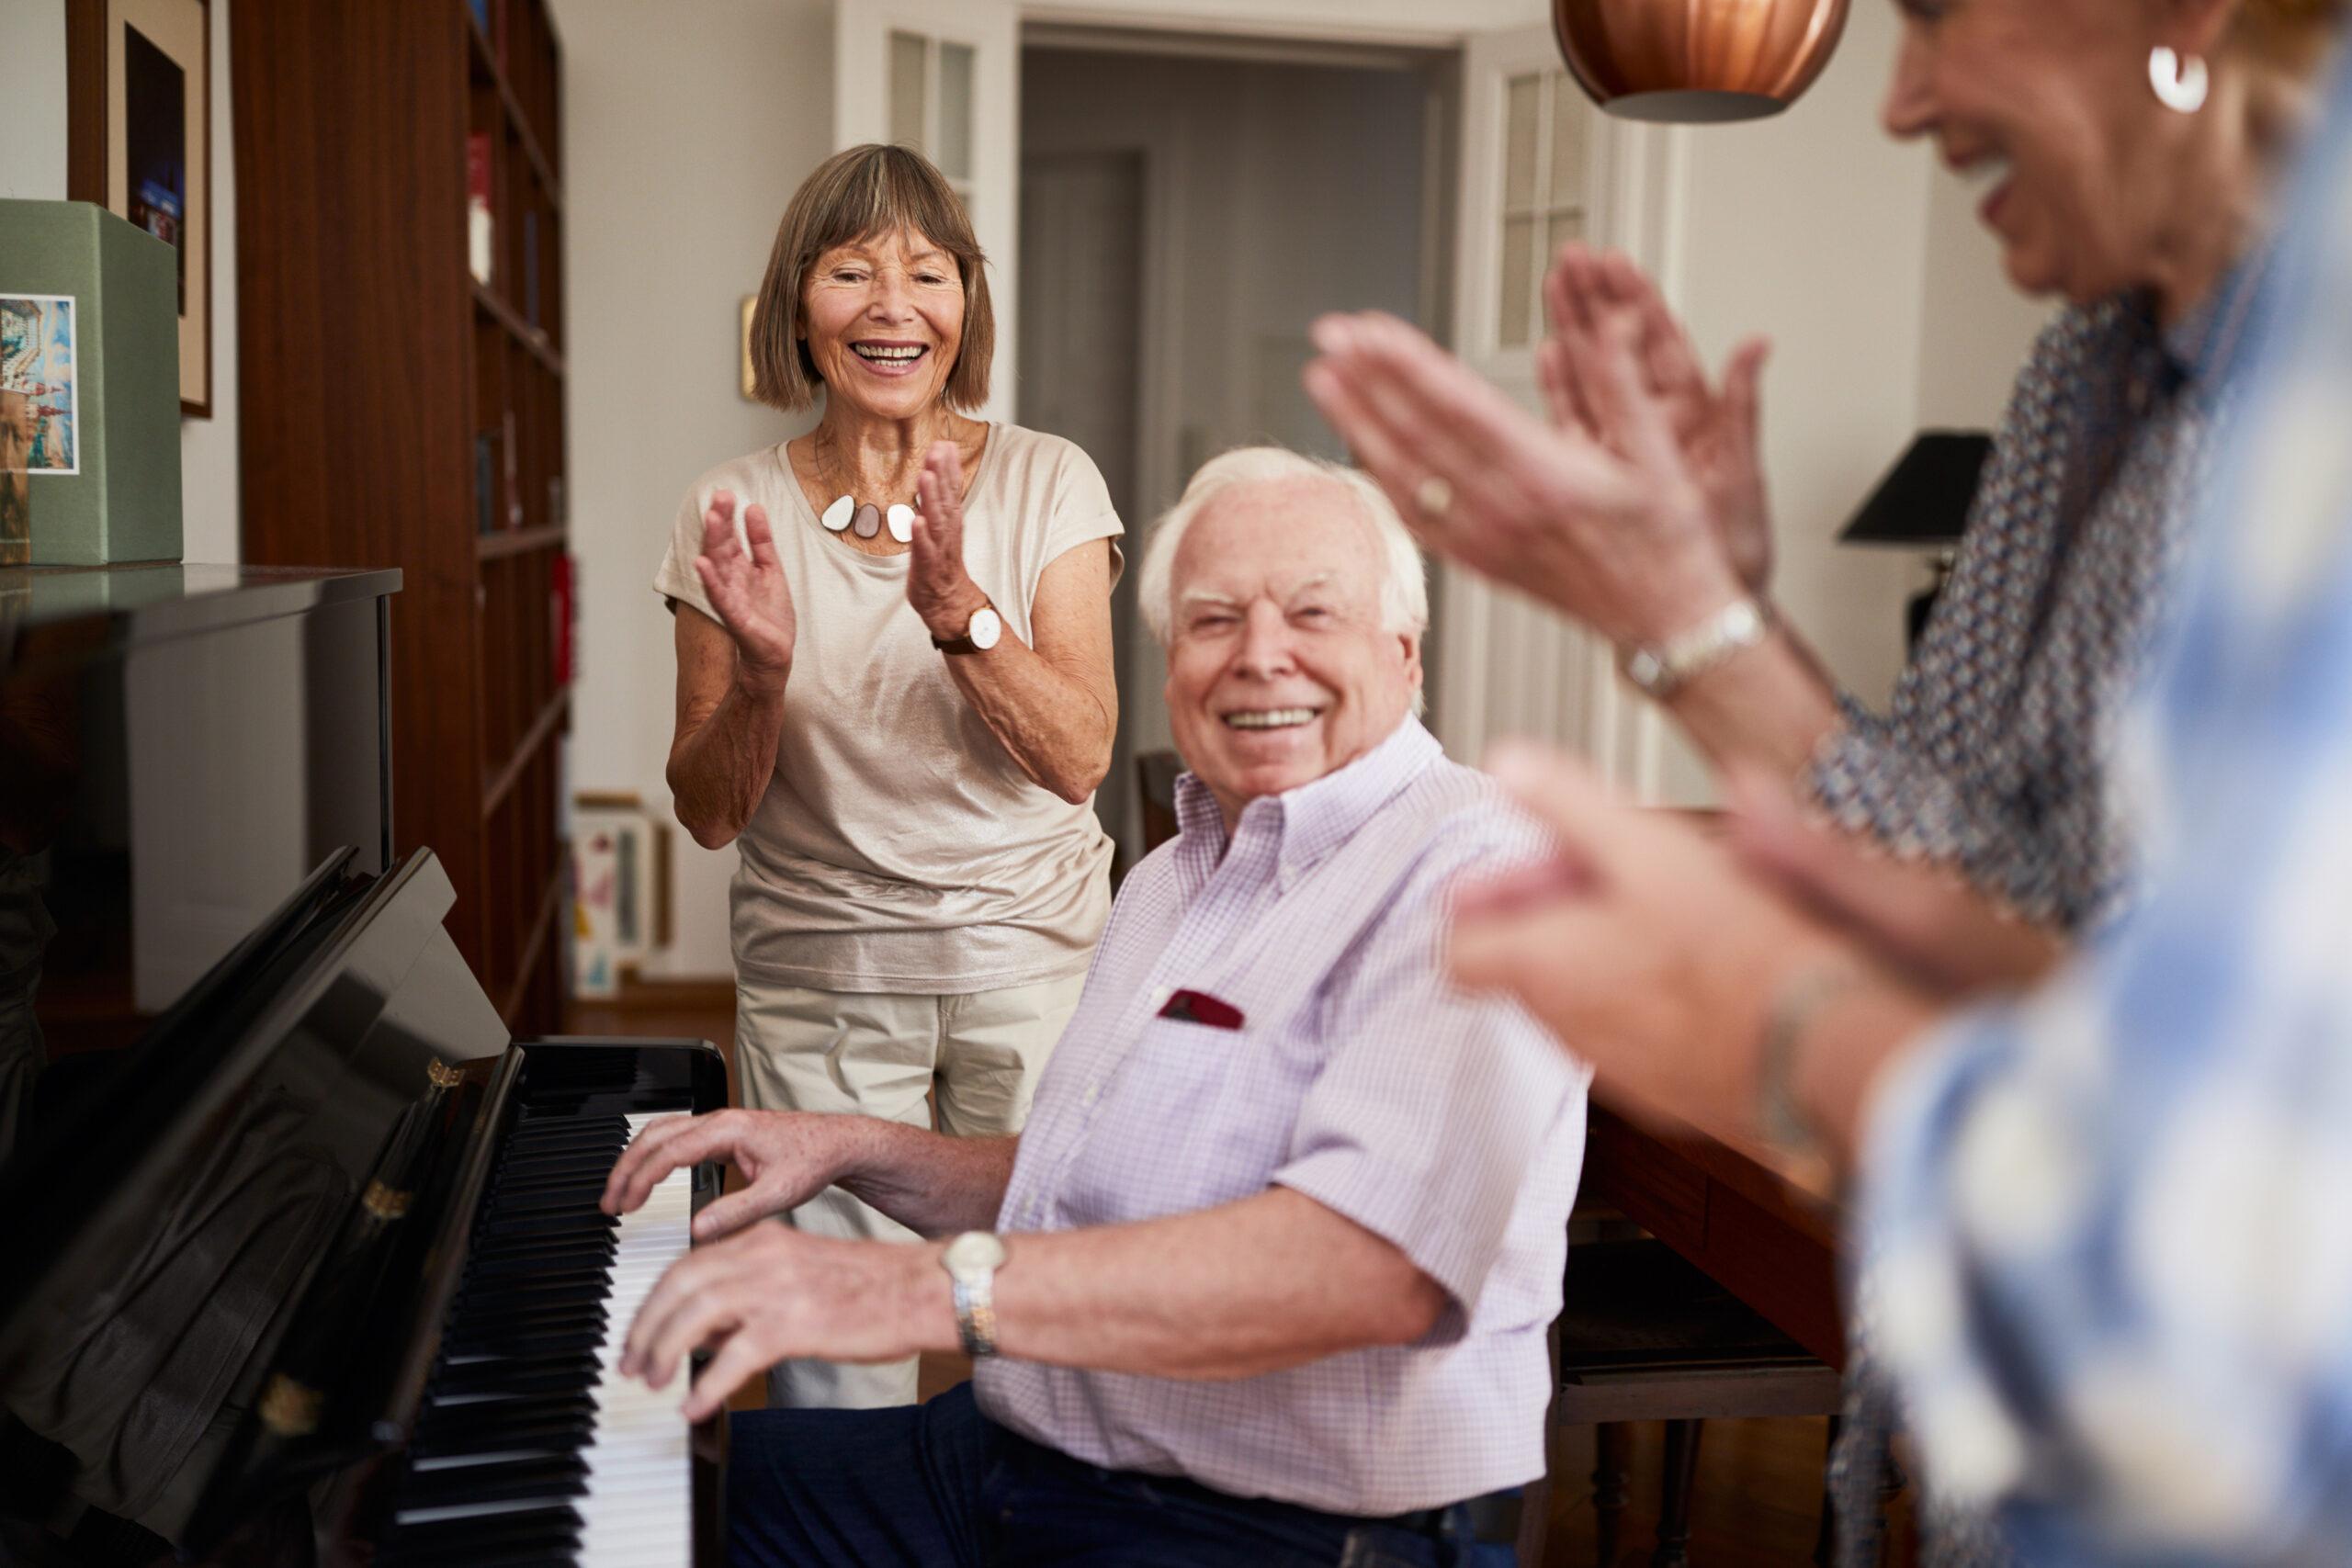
(1403, 586)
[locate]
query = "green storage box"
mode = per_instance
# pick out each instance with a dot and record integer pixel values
(89, 388)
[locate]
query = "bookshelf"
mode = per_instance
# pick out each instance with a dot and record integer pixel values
(399, 268)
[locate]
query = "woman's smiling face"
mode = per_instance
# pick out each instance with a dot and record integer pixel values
(2046, 104)
(883, 318)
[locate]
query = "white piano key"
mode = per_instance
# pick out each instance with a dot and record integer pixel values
(637, 1511)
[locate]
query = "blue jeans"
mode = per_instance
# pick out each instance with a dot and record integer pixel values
(940, 1485)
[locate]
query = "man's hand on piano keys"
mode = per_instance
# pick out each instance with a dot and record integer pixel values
(786, 1158)
(773, 1292)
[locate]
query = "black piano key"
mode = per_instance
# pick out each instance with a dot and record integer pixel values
(570, 1138)
(488, 1434)
(583, 1264)
(517, 1342)
(504, 1271)
(570, 1435)
(452, 1413)
(479, 1460)
(470, 1524)
(568, 1165)
(517, 1377)
(502, 1320)
(522, 1251)
(581, 1217)
(585, 1174)
(559, 1477)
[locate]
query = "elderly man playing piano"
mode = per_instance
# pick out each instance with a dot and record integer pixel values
(1267, 1277)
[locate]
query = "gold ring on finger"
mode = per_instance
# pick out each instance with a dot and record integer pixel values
(1432, 496)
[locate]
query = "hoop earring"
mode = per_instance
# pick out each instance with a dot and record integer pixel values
(2178, 79)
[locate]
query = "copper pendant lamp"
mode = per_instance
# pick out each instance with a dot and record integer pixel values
(1696, 61)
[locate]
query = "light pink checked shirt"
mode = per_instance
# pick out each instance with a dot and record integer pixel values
(1452, 1125)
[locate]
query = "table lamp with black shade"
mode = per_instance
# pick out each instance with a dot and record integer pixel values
(1922, 503)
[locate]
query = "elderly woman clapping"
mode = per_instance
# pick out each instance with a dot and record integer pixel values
(894, 696)
(2129, 147)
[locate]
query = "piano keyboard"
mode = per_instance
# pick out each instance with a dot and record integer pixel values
(530, 1446)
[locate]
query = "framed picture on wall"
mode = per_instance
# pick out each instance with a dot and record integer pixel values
(139, 116)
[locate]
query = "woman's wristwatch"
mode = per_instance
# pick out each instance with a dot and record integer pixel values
(981, 633)
(1661, 671)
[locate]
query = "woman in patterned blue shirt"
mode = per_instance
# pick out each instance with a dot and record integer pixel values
(2127, 149)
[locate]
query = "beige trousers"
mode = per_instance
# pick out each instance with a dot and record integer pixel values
(976, 1055)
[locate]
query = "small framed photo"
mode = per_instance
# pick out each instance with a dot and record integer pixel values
(139, 117)
(620, 878)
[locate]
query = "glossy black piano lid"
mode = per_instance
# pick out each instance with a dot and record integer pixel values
(180, 747)
(178, 1210)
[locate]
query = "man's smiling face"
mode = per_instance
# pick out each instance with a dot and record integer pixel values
(1279, 671)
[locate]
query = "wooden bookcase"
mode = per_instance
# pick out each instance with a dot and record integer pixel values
(396, 410)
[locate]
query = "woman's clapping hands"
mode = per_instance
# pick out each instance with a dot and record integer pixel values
(748, 589)
(1640, 513)
(1716, 425)
(938, 585)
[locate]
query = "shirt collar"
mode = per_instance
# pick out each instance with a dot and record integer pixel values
(1312, 820)
(2202, 349)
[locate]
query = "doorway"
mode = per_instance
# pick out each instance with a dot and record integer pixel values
(1188, 207)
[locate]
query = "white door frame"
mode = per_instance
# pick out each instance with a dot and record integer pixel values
(991, 28)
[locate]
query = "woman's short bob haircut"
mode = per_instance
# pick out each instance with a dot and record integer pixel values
(854, 195)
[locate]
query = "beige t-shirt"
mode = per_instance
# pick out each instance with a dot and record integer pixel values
(897, 847)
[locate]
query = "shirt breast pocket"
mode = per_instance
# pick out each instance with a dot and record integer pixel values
(1194, 1116)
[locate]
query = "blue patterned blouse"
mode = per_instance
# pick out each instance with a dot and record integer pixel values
(1992, 753)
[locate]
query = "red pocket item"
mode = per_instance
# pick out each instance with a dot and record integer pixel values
(1199, 1006)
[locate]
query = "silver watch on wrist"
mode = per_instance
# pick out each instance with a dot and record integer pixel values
(971, 1261)
(1661, 671)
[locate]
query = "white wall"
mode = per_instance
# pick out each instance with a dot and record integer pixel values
(1888, 310)
(1809, 227)
(1974, 328)
(32, 151)
(681, 145)
(32, 168)
(211, 498)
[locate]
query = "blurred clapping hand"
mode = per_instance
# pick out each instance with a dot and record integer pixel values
(1665, 955)
(1641, 512)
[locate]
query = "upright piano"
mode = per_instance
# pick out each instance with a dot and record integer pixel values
(300, 1259)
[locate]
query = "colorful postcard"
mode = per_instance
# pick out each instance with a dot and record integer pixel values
(40, 428)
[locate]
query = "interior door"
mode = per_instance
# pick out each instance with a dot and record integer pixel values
(1082, 337)
(1539, 165)
(943, 76)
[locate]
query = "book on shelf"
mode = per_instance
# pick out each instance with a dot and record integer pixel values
(513, 486)
(531, 267)
(486, 470)
(560, 602)
(481, 225)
